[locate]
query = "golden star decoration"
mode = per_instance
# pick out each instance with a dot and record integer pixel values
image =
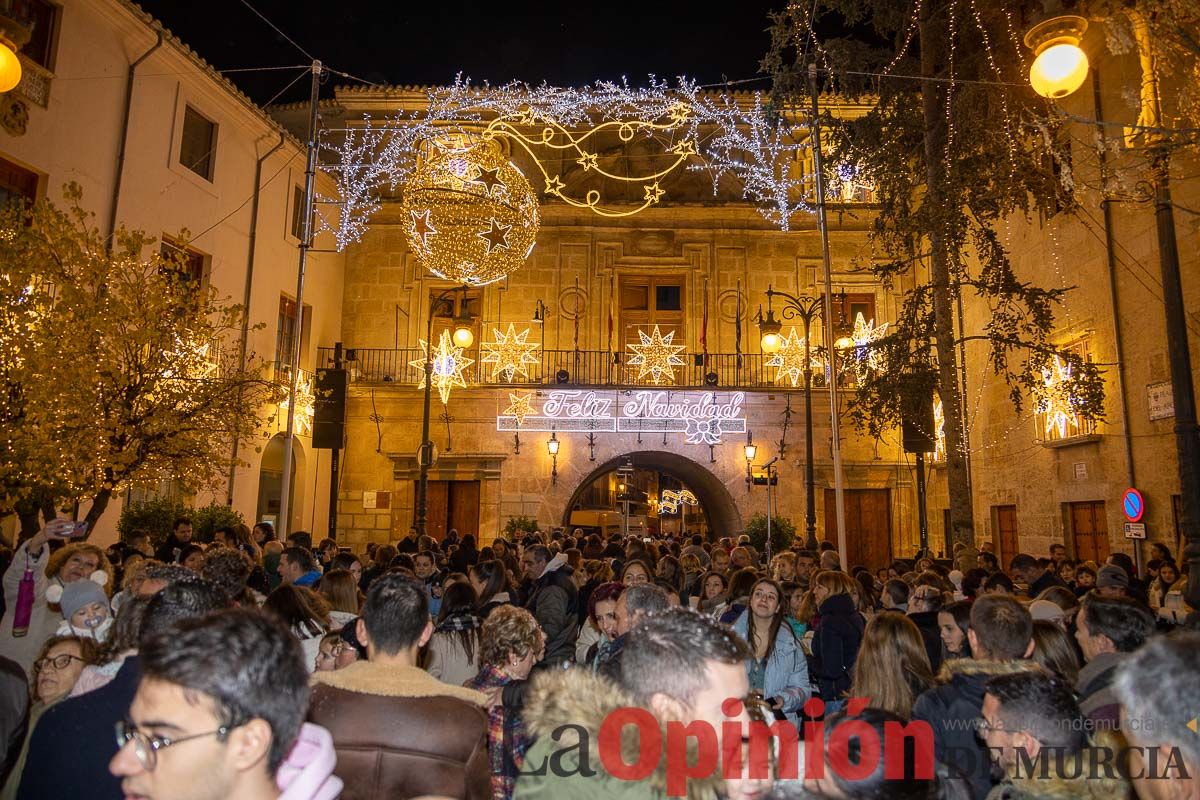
(790, 359)
(656, 356)
(510, 353)
(306, 405)
(864, 334)
(1056, 402)
(422, 228)
(554, 186)
(496, 236)
(490, 178)
(654, 193)
(448, 365)
(519, 406)
(587, 161)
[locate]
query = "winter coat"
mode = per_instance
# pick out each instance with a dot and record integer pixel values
(399, 732)
(787, 668)
(42, 622)
(835, 645)
(553, 601)
(560, 703)
(952, 709)
(1097, 700)
(931, 635)
(448, 661)
(1075, 781)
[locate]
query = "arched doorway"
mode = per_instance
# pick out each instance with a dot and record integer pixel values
(270, 480)
(715, 513)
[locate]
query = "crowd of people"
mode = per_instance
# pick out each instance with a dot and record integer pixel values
(549, 667)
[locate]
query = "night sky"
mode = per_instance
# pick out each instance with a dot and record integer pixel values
(404, 42)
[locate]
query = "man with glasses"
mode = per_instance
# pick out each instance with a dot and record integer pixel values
(219, 706)
(71, 745)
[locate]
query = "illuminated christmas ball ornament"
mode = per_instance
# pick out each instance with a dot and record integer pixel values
(470, 216)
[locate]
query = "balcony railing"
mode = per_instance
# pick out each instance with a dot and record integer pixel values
(565, 367)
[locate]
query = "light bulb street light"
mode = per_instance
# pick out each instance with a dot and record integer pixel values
(425, 454)
(10, 66)
(1059, 66)
(1187, 432)
(14, 34)
(552, 449)
(806, 309)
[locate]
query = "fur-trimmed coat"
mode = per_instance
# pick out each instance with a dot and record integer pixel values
(952, 709)
(400, 732)
(561, 704)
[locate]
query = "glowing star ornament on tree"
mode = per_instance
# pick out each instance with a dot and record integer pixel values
(1056, 403)
(448, 365)
(790, 359)
(656, 357)
(510, 353)
(472, 217)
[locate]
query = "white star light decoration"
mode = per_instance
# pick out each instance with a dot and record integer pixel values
(864, 335)
(510, 353)
(656, 357)
(939, 431)
(789, 360)
(1056, 402)
(448, 365)
(519, 406)
(672, 499)
(306, 404)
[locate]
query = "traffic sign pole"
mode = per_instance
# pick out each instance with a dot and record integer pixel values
(1134, 507)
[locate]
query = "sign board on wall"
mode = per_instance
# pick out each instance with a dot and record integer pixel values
(702, 417)
(1080, 470)
(377, 500)
(1135, 530)
(1160, 401)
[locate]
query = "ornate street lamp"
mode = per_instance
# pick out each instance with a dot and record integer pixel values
(552, 449)
(425, 455)
(1059, 66)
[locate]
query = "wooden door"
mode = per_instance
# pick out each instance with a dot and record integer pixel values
(436, 509)
(1089, 531)
(868, 526)
(464, 508)
(1005, 540)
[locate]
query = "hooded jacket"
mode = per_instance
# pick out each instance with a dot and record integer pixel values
(952, 709)
(565, 711)
(553, 601)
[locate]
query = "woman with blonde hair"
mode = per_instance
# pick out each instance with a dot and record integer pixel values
(892, 668)
(839, 630)
(340, 590)
(783, 567)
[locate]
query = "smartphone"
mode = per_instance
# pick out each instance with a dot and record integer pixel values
(76, 530)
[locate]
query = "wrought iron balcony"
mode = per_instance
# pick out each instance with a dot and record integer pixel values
(591, 368)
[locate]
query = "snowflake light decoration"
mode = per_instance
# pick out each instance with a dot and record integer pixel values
(448, 365)
(1056, 403)
(510, 354)
(656, 357)
(306, 404)
(789, 360)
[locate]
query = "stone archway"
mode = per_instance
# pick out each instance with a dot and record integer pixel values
(722, 513)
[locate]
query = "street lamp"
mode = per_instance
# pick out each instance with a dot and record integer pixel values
(425, 454)
(1187, 432)
(806, 309)
(750, 449)
(552, 449)
(14, 34)
(1060, 66)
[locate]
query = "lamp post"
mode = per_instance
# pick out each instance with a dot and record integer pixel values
(751, 449)
(552, 449)
(806, 309)
(463, 337)
(1065, 33)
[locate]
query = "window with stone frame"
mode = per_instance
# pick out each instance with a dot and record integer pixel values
(847, 308)
(644, 302)
(285, 334)
(188, 263)
(197, 143)
(1055, 420)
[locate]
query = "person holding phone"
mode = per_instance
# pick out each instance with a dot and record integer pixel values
(34, 563)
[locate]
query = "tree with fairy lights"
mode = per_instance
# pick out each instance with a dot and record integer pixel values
(955, 143)
(120, 369)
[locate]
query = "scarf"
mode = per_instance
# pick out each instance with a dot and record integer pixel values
(459, 621)
(507, 739)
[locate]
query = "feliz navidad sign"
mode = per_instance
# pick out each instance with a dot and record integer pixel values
(703, 417)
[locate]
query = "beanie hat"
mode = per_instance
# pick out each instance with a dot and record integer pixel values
(78, 594)
(1111, 575)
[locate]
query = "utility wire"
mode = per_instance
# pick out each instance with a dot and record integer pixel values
(275, 27)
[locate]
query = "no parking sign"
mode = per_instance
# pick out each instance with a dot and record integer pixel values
(1133, 504)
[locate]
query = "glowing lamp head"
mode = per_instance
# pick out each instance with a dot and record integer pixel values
(751, 450)
(844, 343)
(463, 337)
(10, 66)
(771, 342)
(552, 445)
(1059, 66)
(769, 328)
